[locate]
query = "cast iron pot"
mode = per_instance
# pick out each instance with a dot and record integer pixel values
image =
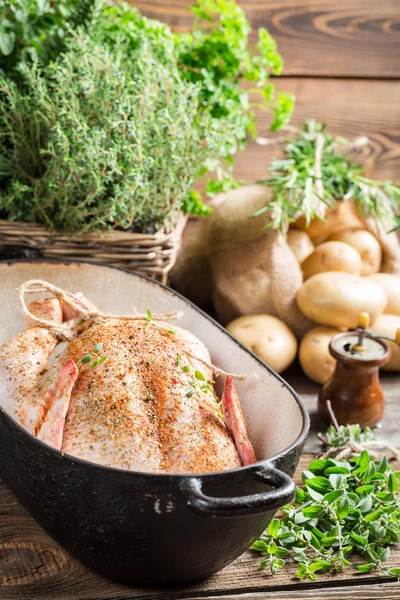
(144, 528)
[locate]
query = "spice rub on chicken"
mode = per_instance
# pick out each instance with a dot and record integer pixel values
(123, 393)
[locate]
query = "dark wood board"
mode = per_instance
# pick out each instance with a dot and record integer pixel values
(33, 567)
(324, 38)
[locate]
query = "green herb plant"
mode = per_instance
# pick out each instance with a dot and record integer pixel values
(300, 186)
(37, 27)
(95, 140)
(107, 117)
(217, 57)
(345, 509)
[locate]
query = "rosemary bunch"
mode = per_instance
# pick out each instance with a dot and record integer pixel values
(316, 169)
(345, 508)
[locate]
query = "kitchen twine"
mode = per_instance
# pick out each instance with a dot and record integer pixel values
(66, 331)
(353, 448)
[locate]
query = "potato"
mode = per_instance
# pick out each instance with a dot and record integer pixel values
(391, 285)
(387, 325)
(337, 299)
(314, 356)
(366, 245)
(342, 216)
(300, 244)
(332, 256)
(267, 337)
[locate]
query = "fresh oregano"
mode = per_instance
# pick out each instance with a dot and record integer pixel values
(345, 508)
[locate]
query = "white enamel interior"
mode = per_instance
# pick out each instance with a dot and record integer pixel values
(273, 416)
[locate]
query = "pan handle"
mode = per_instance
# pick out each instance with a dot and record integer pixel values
(240, 506)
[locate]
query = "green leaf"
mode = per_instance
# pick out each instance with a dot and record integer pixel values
(383, 465)
(337, 481)
(319, 565)
(149, 315)
(319, 484)
(314, 495)
(328, 541)
(98, 347)
(336, 470)
(273, 527)
(343, 508)
(313, 510)
(364, 489)
(367, 568)
(7, 43)
(271, 548)
(287, 537)
(395, 571)
(373, 516)
(358, 539)
(87, 358)
(301, 496)
(393, 483)
(365, 504)
(385, 554)
(317, 465)
(199, 375)
(332, 496)
(260, 546)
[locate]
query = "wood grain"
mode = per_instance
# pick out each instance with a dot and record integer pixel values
(351, 108)
(386, 591)
(334, 38)
(34, 567)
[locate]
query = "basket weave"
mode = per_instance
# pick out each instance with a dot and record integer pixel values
(149, 254)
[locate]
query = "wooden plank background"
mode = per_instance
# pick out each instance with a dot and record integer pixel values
(342, 61)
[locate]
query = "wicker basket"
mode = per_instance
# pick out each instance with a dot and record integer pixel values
(150, 254)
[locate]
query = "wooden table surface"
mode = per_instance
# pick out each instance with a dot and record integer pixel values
(34, 567)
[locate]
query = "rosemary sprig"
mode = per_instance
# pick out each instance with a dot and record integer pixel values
(309, 176)
(345, 508)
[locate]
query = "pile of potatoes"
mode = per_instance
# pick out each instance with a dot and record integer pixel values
(341, 265)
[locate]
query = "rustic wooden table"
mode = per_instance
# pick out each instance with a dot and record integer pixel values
(34, 567)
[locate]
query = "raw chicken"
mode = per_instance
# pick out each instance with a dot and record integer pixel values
(123, 393)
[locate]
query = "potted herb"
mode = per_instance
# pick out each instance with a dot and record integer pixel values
(104, 130)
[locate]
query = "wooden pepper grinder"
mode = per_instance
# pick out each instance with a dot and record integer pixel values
(354, 389)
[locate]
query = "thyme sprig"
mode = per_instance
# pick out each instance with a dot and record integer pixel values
(305, 178)
(345, 508)
(94, 354)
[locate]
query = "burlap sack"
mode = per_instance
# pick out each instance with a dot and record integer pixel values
(244, 269)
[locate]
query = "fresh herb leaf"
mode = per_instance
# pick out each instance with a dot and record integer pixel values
(296, 183)
(321, 531)
(87, 358)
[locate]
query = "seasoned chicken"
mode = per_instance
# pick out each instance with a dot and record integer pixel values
(123, 393)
